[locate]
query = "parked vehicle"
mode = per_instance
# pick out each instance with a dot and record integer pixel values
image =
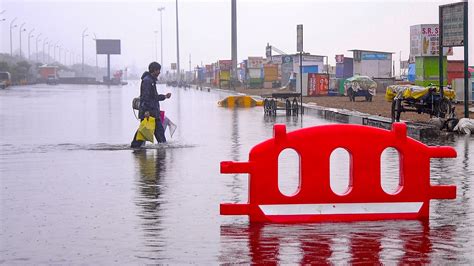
(410, 98)
(5, 80)
(52, 80)
(360, 86)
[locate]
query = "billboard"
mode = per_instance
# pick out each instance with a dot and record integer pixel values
(424, 41)
(375, 56)
(452, 19)
(225, 65)
(318, 84)
(107, 46)
(255, 62)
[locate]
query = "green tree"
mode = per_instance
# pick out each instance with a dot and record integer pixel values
(4, 66)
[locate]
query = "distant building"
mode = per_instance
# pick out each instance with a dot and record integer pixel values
(374, 64)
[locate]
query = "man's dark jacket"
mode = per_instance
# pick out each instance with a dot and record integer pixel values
(149, 97)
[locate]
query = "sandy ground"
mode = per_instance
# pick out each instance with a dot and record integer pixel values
(378, 106)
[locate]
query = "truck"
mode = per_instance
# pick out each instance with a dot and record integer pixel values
(5, 79)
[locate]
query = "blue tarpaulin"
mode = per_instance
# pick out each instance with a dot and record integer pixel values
(411, 73)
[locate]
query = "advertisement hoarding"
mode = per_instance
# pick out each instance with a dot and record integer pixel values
(318, 84)
(225, 65)
(424, 41)
(452, 19)
(255, 62)
(107, 46)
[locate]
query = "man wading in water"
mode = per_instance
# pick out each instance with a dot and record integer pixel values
(150, 102)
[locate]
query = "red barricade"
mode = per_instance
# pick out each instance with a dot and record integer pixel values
(315, 201)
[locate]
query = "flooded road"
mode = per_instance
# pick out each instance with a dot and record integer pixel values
(72, 192)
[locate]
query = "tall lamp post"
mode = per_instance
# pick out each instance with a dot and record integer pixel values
(44, 42)
(37, 39)
(83, 35)
(156, 45)
(54, 51)
(49, 50)
(234, 43)
(160, 9)
(11, 38)
(177, 43)
(59, 53)
(96, 60)
(29, 37)
(21, 30)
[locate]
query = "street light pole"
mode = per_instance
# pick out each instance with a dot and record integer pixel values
(44, 42)
(29, 37)
(11, 38)
(49, 50)
(234, 43)
(21, 30)
(59, 54)
(156, 45)
(54, 51)
(161, 32)
(83, 35)
(96, 60)
(37, 36)
(177, 42)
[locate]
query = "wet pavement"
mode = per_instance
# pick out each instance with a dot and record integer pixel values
(72, 192)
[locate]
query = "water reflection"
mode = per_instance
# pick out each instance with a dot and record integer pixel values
(400, 242)
(151, 168)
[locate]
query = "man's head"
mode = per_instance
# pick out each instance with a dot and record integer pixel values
(154, 68)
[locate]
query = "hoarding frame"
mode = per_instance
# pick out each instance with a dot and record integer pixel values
(466, 49)
(108, 46)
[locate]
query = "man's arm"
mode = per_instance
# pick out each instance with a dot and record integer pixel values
(162, 97)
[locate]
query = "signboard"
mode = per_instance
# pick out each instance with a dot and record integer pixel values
(255, 62)
(424, 40)
(309, 59)
(299, 38)
(107, 46)
(276, 59)
(173, 66)
(225, 65)
(374, 56)
(318, 84)
(339, 58)
(452, 19)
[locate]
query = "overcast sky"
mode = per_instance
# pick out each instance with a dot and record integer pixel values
(330, 27)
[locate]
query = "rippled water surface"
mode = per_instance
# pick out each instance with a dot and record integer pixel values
(73, 192)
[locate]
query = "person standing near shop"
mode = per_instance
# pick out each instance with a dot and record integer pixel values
(150, 102)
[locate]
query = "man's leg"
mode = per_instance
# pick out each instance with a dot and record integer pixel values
(136, 143)
(159, 131)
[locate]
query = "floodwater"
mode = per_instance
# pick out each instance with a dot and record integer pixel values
(72, 192)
